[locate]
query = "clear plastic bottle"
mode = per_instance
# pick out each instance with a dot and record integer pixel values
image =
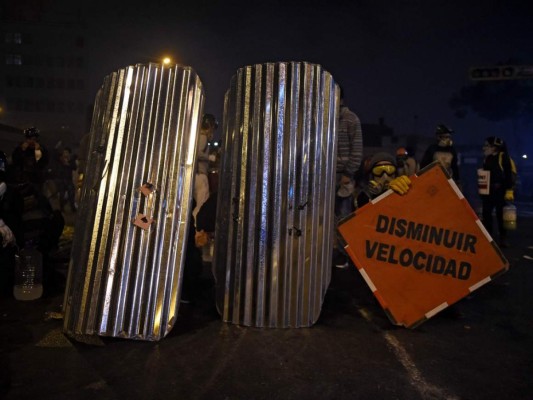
(28, 274)
(509, 217)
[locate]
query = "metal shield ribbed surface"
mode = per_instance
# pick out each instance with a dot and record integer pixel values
(125, 279)
(274, 231)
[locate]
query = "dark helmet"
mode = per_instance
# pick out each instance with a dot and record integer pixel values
(380, 157)
(31, 132)
(443, 130)
(495, 141)
(208, 121)
(401, 151)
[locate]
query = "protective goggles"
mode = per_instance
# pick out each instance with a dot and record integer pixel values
(379, 170)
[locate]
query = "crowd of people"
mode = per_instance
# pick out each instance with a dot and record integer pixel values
(35, 186)
(382, 171)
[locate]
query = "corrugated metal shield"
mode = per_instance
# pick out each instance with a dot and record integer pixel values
(130, 238)
(274, 231)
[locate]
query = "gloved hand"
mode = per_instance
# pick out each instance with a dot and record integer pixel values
(400, 184)
(509, 195)
(8, 239)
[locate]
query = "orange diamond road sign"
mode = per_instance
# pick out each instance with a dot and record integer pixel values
(421, 252)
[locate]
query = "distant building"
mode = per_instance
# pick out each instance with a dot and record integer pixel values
(377, 136)
(381, 137)
(43, 68)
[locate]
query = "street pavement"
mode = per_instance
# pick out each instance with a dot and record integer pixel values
(479, 348)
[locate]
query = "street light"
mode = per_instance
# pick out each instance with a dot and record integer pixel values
(166, 60)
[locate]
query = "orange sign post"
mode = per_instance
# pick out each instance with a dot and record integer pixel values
(421, 252)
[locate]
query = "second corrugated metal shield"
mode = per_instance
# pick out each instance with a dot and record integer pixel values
(274, 232)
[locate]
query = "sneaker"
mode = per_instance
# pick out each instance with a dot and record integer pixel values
(343, 266)
(341, 261)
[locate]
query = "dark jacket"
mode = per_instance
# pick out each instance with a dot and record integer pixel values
(501, 176)
(443, 154)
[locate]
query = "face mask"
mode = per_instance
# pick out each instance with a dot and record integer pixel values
(383, 174)
(384, 180)
(488, 150)
(445, 142)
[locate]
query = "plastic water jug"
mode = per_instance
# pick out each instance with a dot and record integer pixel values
(28, 274)
(509, 217)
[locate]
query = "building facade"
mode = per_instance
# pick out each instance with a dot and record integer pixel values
(43, 69)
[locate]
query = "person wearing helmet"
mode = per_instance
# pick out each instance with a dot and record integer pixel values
(498, 164)
(406, 163)
(443, 151)
(383, 175)
(30, 159)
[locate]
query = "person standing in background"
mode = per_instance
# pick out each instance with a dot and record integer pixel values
(349, 157)
(201, 182)
(405, 162)
(443, 151)
(66, 165)
(30, 159)
(497, 163)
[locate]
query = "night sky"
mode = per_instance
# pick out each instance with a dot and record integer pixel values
(394, 59)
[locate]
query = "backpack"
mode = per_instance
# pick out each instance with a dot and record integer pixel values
(514, 171)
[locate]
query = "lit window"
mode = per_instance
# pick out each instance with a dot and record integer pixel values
(17, 38)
